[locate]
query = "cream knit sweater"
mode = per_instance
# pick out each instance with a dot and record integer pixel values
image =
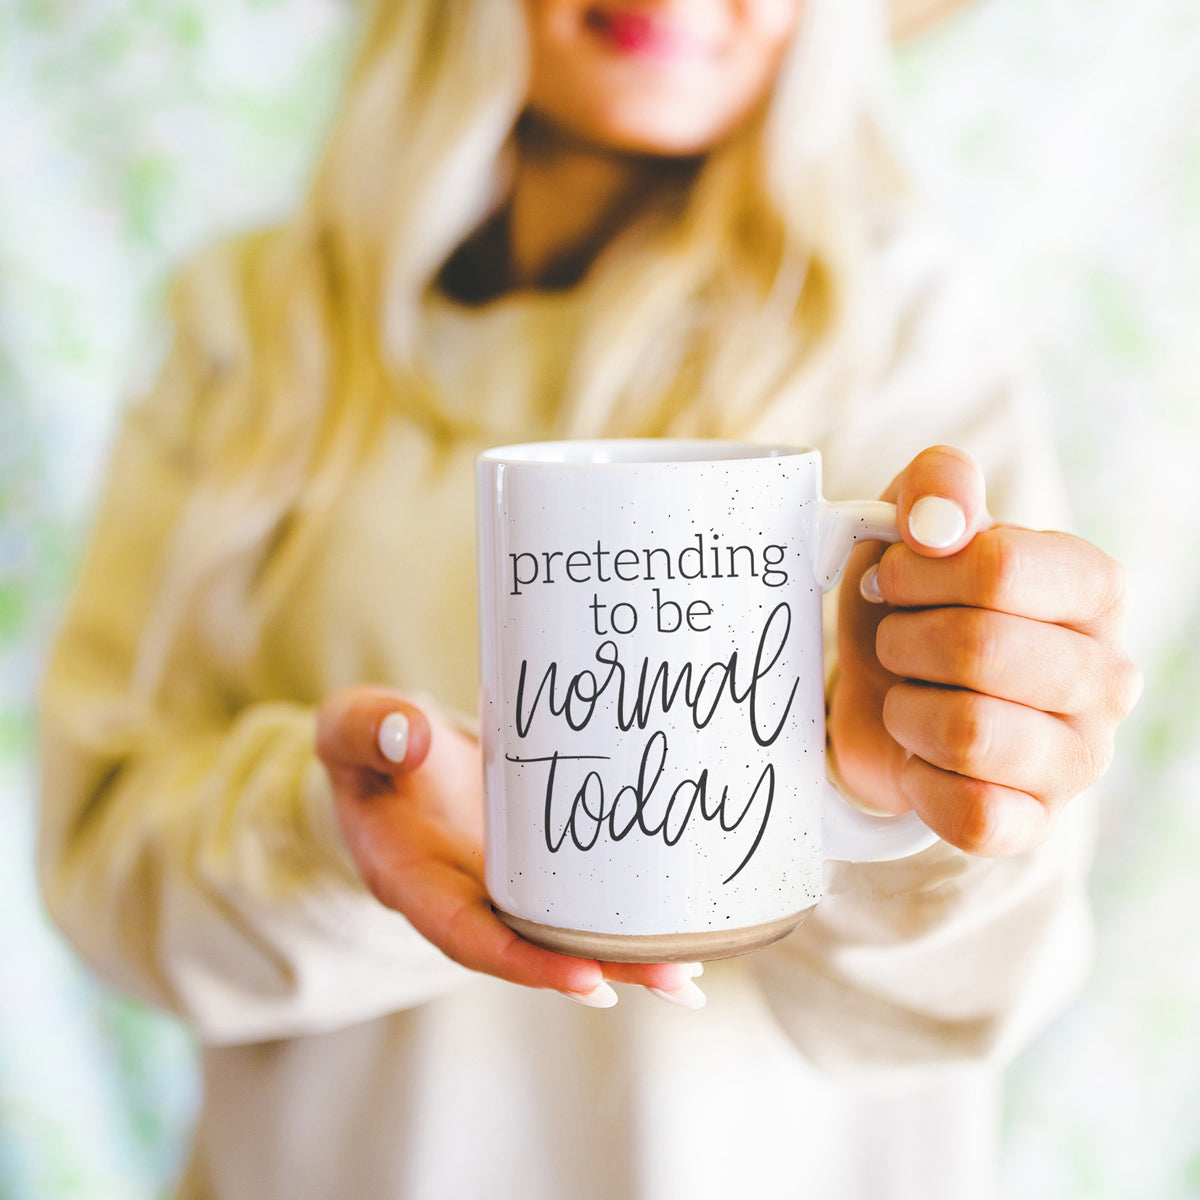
(344, 1056)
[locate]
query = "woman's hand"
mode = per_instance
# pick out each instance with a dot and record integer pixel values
(413, 821)
(981, 678)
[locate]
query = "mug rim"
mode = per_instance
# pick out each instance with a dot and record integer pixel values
(608, 452)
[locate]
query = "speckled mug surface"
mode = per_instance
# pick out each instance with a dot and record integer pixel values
(652, 707)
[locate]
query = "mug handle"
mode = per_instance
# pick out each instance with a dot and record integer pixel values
(848, 834)
(851, 835)
(840, 527)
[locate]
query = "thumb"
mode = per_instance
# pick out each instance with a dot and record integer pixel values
(374, 728)
(940, 501)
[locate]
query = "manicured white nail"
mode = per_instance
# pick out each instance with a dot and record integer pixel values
(936, 522)
(601, 996)
(868, 586)
(695, 969)
(393, 737)
(688, 996)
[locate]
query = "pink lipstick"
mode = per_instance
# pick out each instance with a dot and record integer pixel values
(630, 31)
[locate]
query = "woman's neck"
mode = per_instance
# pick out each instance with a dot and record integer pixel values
(568, 200)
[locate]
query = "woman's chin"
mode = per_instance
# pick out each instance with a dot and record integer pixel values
(644, 129)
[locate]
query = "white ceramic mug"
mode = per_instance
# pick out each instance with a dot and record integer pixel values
(652, 704)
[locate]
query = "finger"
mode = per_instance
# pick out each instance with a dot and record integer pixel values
(1032, 663)
(349, 727)
(991, 740)
(666, 977)
(980, 818)
(435, 878)
(862, 752)
(452, 909)
(1041, 575)
(940, 501)
(454, 912)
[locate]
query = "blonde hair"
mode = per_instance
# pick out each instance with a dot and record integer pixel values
(294, 343)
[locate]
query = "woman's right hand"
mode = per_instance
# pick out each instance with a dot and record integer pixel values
(414, 828)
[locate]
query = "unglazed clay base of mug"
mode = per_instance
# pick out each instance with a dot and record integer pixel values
(654, 947)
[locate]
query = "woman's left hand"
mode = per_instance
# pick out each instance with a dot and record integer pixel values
(981, 677)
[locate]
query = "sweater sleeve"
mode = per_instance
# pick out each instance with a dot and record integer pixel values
(191, 853)
(941, 957)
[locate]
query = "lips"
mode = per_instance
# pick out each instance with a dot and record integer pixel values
(633, 31)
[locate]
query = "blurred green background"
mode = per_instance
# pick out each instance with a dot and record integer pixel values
(1061, 138)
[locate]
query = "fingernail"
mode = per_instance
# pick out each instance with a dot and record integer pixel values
(601, 996)
(695, 969)
(393, 737)
(688, 996)
(868, 586)
(936, 522)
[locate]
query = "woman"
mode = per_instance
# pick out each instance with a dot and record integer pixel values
(540, 219)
